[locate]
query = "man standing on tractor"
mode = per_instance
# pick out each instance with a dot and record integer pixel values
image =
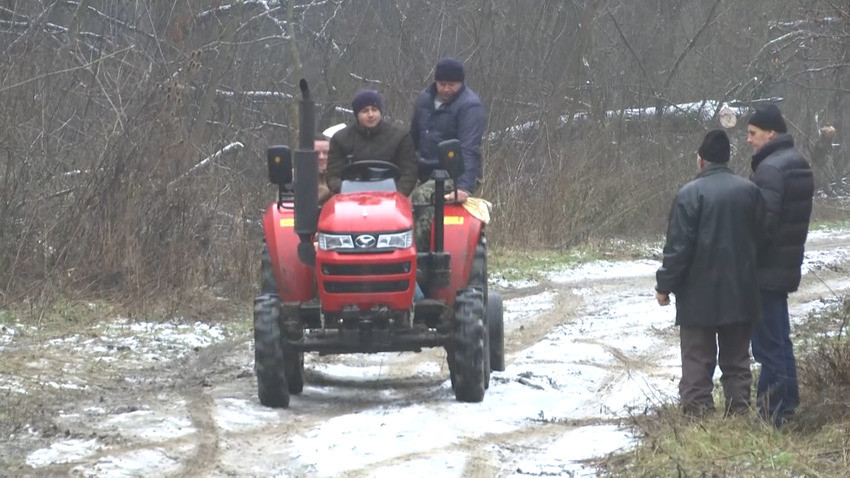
(371, 138)
(447, 109)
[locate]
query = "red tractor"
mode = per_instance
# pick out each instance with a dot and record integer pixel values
(355, 293)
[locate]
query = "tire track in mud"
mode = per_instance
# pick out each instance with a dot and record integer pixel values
(518, 337)
(206, 438)
(482, 451)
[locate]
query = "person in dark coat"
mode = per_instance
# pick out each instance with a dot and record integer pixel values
(787, 184)
(369, 137)
(713, 234)
(446, 109)
(322, 147)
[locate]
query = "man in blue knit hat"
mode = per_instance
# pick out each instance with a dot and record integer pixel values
(447, 109)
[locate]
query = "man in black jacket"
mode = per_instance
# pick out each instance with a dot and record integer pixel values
(787, 184)
(710, 265)
(369, 137)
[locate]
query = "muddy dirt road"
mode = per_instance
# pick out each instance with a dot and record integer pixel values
(585, 347)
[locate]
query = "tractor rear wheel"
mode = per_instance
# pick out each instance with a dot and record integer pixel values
(478, 279)
(269, 361)
(267, 283)
(467, 361)
(496, 332)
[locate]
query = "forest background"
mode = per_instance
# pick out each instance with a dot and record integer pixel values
(133, 139)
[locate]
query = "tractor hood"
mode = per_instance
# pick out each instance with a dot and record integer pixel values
(366, 212)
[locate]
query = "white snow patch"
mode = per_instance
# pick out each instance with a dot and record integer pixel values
(233, 414)
(599, 270)
(438, 465)
(137, 463)
(12, 384)
(512, 284)
(562, 457)
(360, 440)
(149, 425)
(7, 335)
(817, 260)
(827, 233)
(518, 310)
(66, 386)
(123, 340)
(63, 452)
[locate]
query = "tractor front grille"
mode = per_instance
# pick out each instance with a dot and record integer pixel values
(336, 287)
(366, 269)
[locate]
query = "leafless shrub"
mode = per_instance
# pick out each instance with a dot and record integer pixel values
(825, 376)
(119, 168)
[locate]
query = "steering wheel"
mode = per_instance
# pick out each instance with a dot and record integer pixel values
(371, 170)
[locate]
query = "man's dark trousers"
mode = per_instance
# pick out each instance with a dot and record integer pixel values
(700, 356)
(778, 392)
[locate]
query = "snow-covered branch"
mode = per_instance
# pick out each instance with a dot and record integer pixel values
(255, 95)
(810, 22)
(110, 19)
(701, 111)
(366, 80)
(230, 148)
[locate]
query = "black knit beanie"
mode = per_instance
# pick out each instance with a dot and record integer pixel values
(715, 147)
(365, 98)
(769, 118)
(449, 69)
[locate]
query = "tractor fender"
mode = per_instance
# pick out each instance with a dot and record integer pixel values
(462, 231)
(295, 280)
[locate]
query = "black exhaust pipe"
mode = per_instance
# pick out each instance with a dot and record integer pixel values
(306, 188)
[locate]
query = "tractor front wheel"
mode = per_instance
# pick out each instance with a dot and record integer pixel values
(466, 363)
(269, 362)
(294, 370)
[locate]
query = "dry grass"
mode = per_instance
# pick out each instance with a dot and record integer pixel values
(815, 443)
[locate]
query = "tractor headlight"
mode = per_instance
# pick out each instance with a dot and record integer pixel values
(331, 242)
(398, 240)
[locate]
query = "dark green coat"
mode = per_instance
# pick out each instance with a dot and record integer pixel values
(713, 235)
(385, 142)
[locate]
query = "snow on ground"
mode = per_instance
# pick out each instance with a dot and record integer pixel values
(519, 310)
(7, 334)
(617, 352)
(136, 463)
(63, 452)
(827, 233)
(600, 270)
(561, 457)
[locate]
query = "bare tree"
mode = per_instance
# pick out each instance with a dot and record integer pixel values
(134, 131)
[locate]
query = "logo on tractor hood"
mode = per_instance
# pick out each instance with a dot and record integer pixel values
(365, 241)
